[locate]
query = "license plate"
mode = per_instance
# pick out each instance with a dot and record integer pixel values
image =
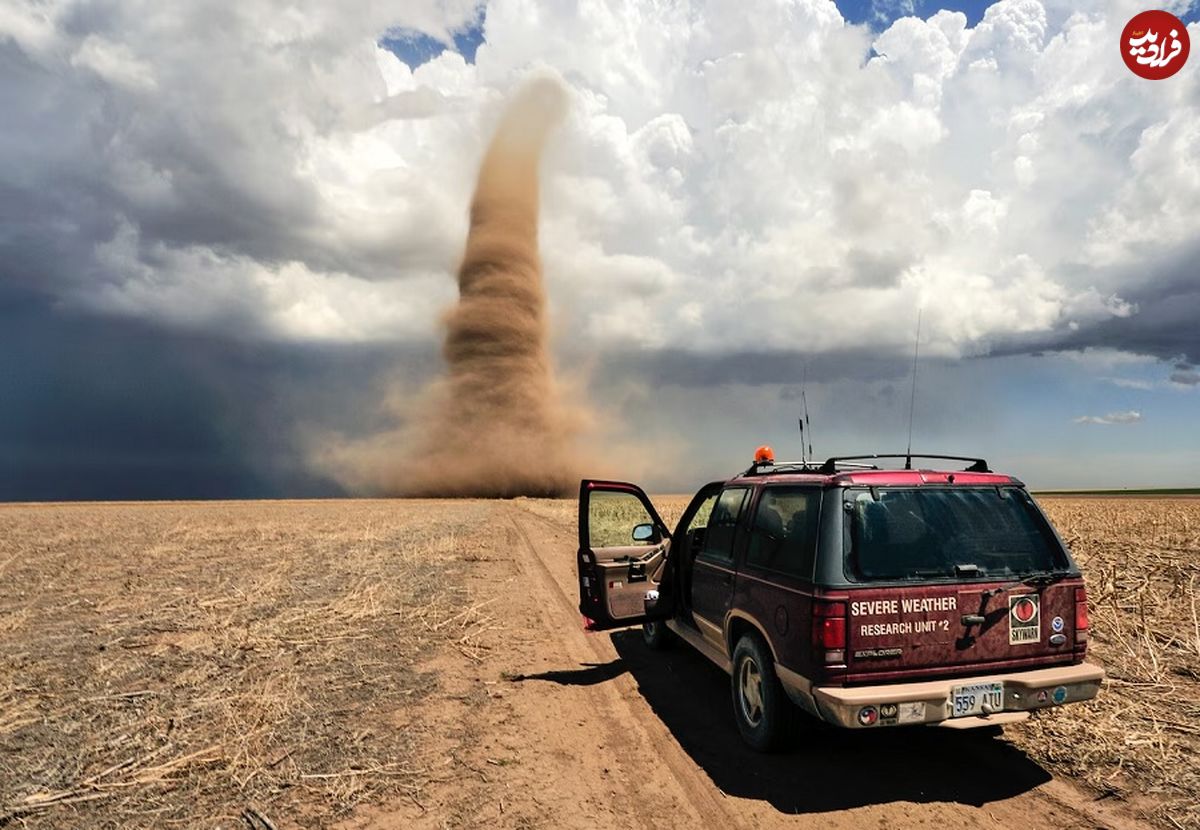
(970, 700)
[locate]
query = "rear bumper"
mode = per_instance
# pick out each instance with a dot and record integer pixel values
(928, 702)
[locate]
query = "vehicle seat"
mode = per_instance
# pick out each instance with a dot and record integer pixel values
(769, 536)
(769, 521)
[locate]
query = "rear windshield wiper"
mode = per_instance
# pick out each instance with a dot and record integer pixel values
(1044, 578)
(1037, 579)
(926, 573)
(971, 570)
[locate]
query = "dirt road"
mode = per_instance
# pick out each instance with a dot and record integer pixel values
(555, 727)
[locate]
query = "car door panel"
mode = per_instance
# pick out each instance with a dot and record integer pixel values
(712, 590)
(713, 570)
(774, 583)
(616, 575)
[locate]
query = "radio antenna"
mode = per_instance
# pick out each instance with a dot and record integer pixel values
(803, 419)
(807, 424)
(912, 401)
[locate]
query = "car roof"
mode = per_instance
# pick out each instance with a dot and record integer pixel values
(877, 478)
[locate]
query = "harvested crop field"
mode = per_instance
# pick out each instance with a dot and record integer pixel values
(420, 664)
(1141, 737)
(181, 664)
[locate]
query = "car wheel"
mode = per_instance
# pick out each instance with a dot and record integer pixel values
(656, 635)
(763, 713)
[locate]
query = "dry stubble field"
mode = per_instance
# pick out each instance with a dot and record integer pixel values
(1140, 739)
(284, 664)
(209, 664)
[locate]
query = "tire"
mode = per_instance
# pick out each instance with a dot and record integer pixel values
(656, 635)
(764, 715)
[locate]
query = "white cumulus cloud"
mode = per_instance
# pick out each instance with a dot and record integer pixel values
(1130, 417)
(758, 176)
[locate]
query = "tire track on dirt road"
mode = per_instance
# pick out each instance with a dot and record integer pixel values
(1050, 803)
(652, 746)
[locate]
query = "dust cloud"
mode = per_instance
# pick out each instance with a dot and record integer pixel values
(497, 423)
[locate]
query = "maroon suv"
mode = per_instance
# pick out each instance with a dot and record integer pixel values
(866, 597)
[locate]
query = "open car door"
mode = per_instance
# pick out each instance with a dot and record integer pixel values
(622, 556)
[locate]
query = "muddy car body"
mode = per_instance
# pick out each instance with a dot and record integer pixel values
(866, 597)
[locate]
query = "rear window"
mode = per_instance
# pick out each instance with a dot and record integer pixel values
(915, 533)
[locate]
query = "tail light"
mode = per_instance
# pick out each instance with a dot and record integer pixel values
(829, 630)
(1081, 615)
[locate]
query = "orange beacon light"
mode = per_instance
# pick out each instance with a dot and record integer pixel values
(764, 455)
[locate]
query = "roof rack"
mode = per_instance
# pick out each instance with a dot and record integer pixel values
(764, 467)
(831, 465)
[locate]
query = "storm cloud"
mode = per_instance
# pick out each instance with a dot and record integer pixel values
(97, 407)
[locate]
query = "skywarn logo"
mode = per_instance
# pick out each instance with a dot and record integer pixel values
(1024, 621)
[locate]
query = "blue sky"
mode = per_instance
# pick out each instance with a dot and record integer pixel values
(880, 13)
(416, 48)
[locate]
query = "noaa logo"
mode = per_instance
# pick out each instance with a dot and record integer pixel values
(1060, 694)
(1057, 624)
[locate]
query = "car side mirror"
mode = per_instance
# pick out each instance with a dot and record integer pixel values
(645, 533)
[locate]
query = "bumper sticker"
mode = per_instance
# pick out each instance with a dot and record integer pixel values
(1024, 621)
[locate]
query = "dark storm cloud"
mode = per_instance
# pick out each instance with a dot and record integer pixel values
(86, 155)
(70, 170)
(1164, 326)
(697, 369)
(160, 154)
(97, 408)
(1166, 307)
